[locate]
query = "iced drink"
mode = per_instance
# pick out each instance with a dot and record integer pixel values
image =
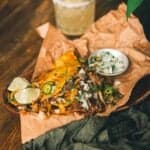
(73, 17)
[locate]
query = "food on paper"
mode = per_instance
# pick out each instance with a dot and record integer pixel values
(71, 86)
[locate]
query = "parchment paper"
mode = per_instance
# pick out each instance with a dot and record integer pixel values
(110, 31)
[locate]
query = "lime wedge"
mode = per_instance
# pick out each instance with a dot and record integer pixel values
(27, 96)
(17, 84)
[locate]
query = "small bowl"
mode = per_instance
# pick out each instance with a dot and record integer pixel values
(117, 54)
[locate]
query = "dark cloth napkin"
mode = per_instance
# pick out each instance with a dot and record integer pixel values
(125, 130)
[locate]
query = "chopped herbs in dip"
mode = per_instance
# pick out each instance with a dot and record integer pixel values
(106, 62)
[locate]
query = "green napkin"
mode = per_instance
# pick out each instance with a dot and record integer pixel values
(126, 130)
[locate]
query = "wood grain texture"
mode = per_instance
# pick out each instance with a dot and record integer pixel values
(19, 47)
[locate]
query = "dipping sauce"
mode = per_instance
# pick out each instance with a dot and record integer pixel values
(108, 62)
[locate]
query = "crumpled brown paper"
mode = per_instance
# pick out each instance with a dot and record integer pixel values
(110, 31)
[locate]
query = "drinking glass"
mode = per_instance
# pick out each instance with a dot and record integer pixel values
(73, 17)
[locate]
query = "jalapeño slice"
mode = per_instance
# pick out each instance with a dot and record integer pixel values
(48, 87)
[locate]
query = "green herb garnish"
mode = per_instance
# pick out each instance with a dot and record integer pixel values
(48, 87)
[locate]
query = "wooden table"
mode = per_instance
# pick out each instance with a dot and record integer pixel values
(19, 47)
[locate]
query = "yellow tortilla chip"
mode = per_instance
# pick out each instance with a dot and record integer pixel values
(65, 67)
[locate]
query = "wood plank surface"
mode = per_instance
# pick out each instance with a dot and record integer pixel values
(19, 47)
